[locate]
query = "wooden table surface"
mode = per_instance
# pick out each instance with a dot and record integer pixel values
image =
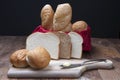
(101, 48)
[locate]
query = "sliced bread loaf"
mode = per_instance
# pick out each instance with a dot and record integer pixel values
(65, 45)
(47, 40)
(76, 41)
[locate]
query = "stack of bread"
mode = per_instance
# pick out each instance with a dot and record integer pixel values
(60, 20)
(61, 40)
(37, 58)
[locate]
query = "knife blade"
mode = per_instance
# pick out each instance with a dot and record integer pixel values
(87, 62)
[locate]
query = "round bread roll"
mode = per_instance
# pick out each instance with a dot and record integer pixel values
(79, 26)
(47, 14)
(38, 58)
(62, 16)
(18, 58)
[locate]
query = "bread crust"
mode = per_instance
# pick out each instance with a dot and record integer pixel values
(79, 26)
(62, 16)
(65, 45)
(18, 58)
(68, 28)
(47, 14)
(38, 58)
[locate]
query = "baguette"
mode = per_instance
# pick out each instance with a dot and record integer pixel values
(62, 17)
(68, 28)
(47, 14)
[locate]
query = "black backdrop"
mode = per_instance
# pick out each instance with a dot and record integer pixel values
(20, 17)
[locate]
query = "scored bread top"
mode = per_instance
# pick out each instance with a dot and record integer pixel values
(47, 14)
(62, 16)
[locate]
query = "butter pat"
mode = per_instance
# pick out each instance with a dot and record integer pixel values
(66, 64)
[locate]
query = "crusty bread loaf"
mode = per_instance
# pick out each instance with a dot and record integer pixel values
(79, 26)
(18, 58)
(76, 41)
(62, 16)
(47, 14)
(49, 41)
(38, 58)
(65, 45)
(68, 28)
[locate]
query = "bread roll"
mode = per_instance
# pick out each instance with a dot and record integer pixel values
(76, 41)
(79, 26)
(65, 45)
(47, 40)
(38, 58)
(18, 58)
(62, 16)
(47, 14)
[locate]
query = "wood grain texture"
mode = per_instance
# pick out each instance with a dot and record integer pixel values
(105, 48)
(101, 48)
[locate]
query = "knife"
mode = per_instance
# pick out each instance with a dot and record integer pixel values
(90, 64)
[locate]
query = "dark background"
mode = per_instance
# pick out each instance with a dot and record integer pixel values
(20, 17)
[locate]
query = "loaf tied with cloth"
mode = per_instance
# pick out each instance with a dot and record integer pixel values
(61, 21)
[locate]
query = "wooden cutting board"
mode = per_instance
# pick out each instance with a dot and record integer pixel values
(53, 70)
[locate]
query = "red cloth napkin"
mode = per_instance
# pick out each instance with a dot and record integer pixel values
(86, 35)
